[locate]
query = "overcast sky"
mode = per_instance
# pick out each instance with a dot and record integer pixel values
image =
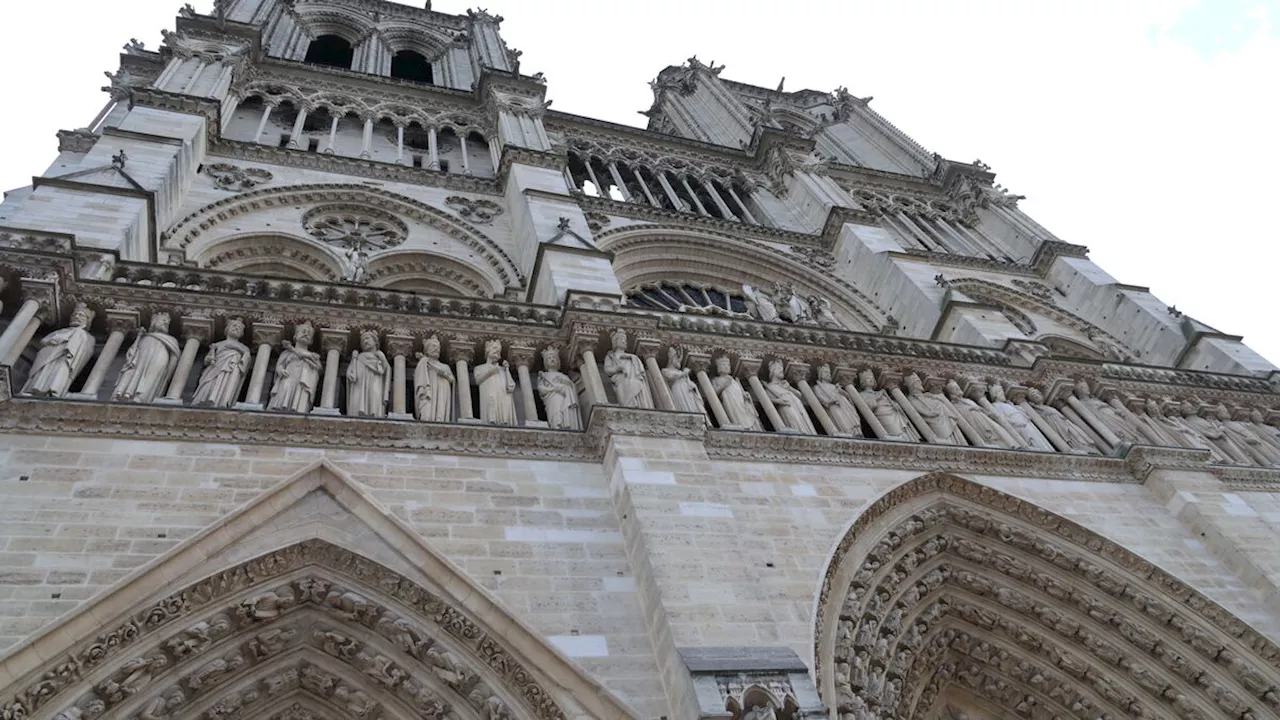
(1144, 129)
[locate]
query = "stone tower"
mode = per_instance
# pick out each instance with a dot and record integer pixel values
(342, 378)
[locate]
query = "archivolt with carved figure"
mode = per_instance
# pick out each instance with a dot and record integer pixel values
(946, 595)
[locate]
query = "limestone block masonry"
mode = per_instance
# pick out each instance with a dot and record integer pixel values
(340, 377)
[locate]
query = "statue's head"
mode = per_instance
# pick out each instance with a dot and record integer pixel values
(673, 356)
(775, 369)
(913, 383)
(303, 334)
(432, 347)
(996, 392)
(551, 358)
(824, 373)
(723, 365)
(952, 390)
(369, 341)
(619, 338)
(1256, 415)
(1151, 407)
(160, 322)
(1082, 389)
(493, 350)
(867, 379)
(1035, 396)
(82, 316)
(234, 329)
(1188, 407)
(1222, 412)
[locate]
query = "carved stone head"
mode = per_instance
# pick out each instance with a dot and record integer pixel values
(369, 341)
(723, 366)
(493, 351)
(619, 338)
(160, 323)
(1082, 390)
(673, 357)
(303, 334)
(996, 393)
(431, 346)
(1034, 396)
(913, 384)
(824, 373)
(867, 379)
(952, 389)
(1151, 407)
(234, 329)
(1222, 412)
(1255, 415)
(551, 359)
(775, 369)
(1188, 407)
(82, 316)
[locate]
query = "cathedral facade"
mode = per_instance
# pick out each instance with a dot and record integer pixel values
(342, 378)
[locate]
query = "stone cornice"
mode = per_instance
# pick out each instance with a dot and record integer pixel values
(645, 211)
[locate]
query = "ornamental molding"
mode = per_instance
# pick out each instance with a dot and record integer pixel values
(682, 219)
(476, 210)
(943, 579)
(233, 177)
(191, 228)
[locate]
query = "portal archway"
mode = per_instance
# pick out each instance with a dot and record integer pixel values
(948, 596)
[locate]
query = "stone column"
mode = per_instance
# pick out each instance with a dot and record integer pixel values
(119, 322)
(746, 214)
(592, 379)
(698, 362)
(644, 186)
(23, 340)
(17, 328)
(1069, 411)
(981, 398)
(433, 154)
(333, 134)
(366, 139)
(671, 192)
(617, 178)
(684, 180)
(298, 126)
(522, 358)
(399, 144)
(749, 370)
(195, 330)
(647, 349)
(798, 373)
(333, 341)
(399, 346)
(462, 351)
(1110, 440)
(1018, 396)
(719, 201)
(266, 335)
(262, 123)
(1113, 399)
(466, 162)
(844, 376)
(890, 383)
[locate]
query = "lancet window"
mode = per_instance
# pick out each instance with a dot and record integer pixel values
(676, 187)
(689, 297)
(411, 65)
(930, 225)
(330, 50)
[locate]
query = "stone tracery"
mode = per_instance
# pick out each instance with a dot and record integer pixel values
(945, 581)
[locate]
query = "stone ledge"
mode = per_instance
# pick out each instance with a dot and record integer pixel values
(741, 659)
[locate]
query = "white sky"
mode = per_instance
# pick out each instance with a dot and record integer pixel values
(1144, 129)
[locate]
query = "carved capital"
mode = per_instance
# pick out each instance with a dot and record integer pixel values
(462, 348)
(267, 333)
(334, 338)
(844, 375)
(748, 366)
(648, 346)
(584, 337)
(43, 290)
(521, 356)
(697, 359)
(399, 345)
(200, 328)
(798, 372)
(121, 319)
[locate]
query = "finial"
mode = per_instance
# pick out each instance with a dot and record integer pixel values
(119, 159)
(563, 225)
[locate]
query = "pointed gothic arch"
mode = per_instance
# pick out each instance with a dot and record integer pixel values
(948, 594)
(294, 624)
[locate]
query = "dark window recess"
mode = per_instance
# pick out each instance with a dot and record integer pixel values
(330, 50)
(284, 140)
(313, 144)
(410, 65)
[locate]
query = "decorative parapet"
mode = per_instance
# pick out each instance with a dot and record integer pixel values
(745, 683)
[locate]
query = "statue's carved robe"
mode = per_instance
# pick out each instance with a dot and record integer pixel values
(148, 367)
(1073, 435)
(684, 391)
(297, 374)
(1029, 436)
(839, 407)
(433, 390)
(630, 383)
(560, 397)
(1115, 422)
(497, 394)
(368, 384)
(988, 430)
(939, 415)
(63, 354)
(1191, 437)
(790, 406)
(893, 418)
(737, 404)
(226, 365)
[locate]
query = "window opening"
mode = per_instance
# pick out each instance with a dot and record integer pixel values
(410, 65)
(330, 50)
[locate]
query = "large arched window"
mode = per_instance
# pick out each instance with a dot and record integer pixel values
(330, 50)
(411, 65)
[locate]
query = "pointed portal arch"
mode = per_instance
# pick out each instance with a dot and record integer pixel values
(311, 629)
(947, 596)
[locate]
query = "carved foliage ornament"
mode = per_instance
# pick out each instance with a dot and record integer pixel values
(481, 212)
(179, 651)
(355, 227)
(234, 177)
(1027, 610)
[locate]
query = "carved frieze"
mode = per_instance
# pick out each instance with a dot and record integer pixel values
(233, 177)
(476, 210)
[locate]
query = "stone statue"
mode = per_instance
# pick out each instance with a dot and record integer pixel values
(788, 401)
(988, 430)
(497, 387)
(626, 371)
(297, 373)
(63, 354)
(1107, 415)
(1029, 436)
(225, 367)
(1245, 436)
(820, 308)
(357, 264)
(559, 393)
(1154, 420)
(735, 400)
(1176, 415)
(764, 307)
(790, 305)
(149, 364)
(684, 391)
(837, 403)
(761, 712)
(1209, 424)
(1075, 437)
(433, 384)
(368, 379)
(1263, 430)
(897, 425)
(936, 411)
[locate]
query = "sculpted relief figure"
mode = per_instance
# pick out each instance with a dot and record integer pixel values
(684, 391)
(764, 307)
(1029, 436)
(737, 403)
(149, 364)
(1075, 437)
(897, 425)
(988, 430)
(497, 387)
(433, 384)
(1107, 415)
(626, 371)
(297, 373)
(225, 367)
(786, 398)
(368, 379)
(1247, 437)
(790, 305)
(1209, 424)
(837, 403)
(820, 308)
(1176, 414)
(63, 354)
(935, 410)
(559, 393)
